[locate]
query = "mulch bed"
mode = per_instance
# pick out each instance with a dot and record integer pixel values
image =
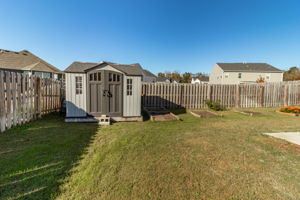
(290, 114)
(248, 112)
(203, 113)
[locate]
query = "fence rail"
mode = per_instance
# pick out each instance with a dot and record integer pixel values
(24, 98)
(242, 95)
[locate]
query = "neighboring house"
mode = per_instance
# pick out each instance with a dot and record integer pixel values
(175, 80)
(28, 63)
(236, 73)
(166, 80)
(148, 76)
(201, 79)
(163, 80)
(95, 89)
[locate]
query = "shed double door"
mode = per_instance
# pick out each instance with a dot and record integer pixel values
(105, 93)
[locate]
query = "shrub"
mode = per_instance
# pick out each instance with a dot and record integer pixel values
(215, 105)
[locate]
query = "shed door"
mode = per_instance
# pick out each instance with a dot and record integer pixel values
(105, 93)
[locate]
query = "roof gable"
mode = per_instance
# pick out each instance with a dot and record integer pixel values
(248, 67)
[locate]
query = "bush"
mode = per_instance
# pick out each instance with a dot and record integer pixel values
(215, 105)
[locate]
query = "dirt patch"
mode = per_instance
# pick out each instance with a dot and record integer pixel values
(290, 114)
(160, 114)
(163, 117)
(203, 113)
(248, 112)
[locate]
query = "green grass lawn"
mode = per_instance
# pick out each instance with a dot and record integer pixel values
(214, 158)
(35, 158)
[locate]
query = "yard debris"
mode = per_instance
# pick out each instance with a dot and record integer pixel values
(160, 114)
(204, 113)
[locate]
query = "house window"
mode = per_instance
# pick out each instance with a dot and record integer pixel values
(226, 75)
(239, 75)
(268, 77)
(129, 87)
(78, 84)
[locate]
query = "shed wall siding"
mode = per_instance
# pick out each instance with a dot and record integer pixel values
(132, 104)
(75, 103)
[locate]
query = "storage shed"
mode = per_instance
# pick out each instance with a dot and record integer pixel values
(95, 89)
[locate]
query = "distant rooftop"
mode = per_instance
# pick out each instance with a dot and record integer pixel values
(24, 60)
(248, 67)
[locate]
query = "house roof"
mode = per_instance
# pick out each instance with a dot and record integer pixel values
(148, 73)
(128, 69)
(24, 60)
(204, 78)
(162, 79)
(248, 67)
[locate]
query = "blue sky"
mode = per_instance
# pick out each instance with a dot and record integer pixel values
(161, 35)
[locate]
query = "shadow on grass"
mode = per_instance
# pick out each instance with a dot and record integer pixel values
(37, 157)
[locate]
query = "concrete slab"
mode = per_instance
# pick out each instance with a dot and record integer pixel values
(293, 137)
(80, 119)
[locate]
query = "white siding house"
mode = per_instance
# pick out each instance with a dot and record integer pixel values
(236, 73)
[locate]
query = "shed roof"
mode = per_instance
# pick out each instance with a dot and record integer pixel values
(248, 67)
(128, 69)
(24, 60)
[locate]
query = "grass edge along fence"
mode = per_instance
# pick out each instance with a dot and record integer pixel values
(26, 97)
(249, 95)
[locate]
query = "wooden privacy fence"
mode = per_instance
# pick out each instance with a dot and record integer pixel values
(241, 95)
(24, 98)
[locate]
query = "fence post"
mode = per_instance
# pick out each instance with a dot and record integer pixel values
(8, 100)
(237, 95)
(181, 95)
(262, 97)
(39, 97)
(285, 95)
(209, 92)
(2, 103)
